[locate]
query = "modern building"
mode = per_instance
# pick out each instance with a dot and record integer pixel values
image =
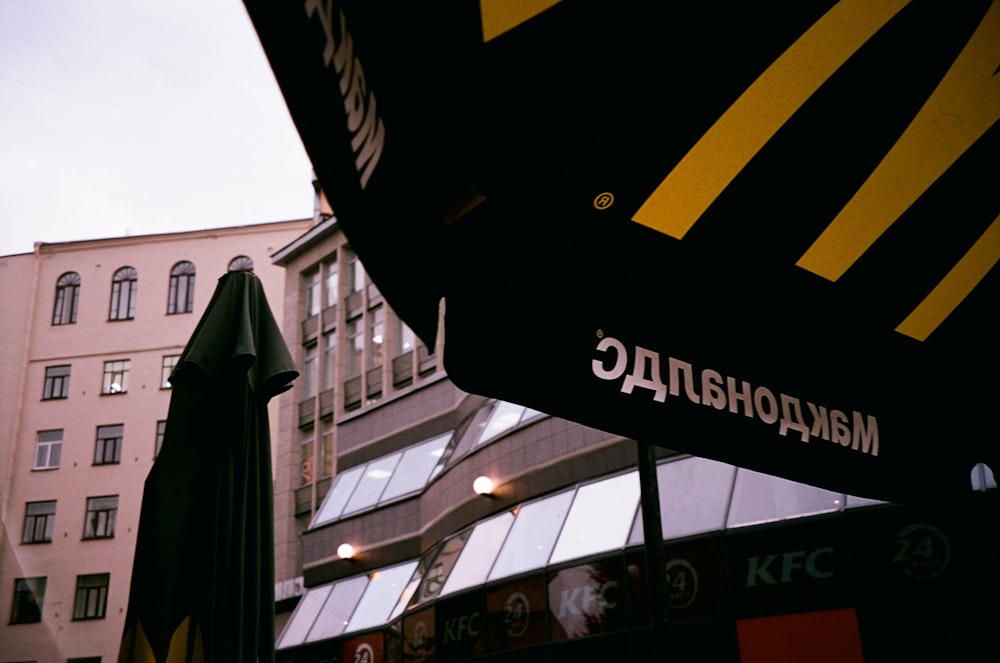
(422, 523)
(91, 331)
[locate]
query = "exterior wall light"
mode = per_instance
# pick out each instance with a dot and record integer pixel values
(483, 486)
(345, 551)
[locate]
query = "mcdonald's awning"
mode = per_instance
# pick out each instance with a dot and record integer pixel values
(758, 232)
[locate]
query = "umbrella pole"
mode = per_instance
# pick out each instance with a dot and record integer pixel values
(653, 536)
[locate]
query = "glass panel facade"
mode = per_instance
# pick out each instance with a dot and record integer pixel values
(477, 556)
(612, 503)
(504, 417)
(305, 614)
(373, 482)
(533, 535)
(759, 498)
(333, 617)
(382, 595)
(596, 517)
(694, 496)
(415, 467)
(335, 500)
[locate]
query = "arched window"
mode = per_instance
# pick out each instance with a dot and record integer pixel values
(241, 264)
(67, 298)
(124, 285)
(180, 298)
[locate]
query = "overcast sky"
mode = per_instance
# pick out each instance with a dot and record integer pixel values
(129, 117)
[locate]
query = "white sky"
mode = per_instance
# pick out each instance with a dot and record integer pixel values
(130, 117)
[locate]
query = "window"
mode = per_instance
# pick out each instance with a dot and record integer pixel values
(48, 449)
(91, 596)
(56, 382)
(169, 363)
(310, 372)
(180, 297)
(29, 595)
(240, 264)
(332, 283)
(355, 274)
(307, 460)
(108, 449)
(115, 377)
(405, 339)
(329, 364)
(100, 519)
(39, 521)
(124, 285)
(326, 453)
(161, 429)
(355, 347)
(310, 295)
(67, 299)
(376, 335)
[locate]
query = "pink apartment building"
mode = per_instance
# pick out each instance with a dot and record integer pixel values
(90, 331)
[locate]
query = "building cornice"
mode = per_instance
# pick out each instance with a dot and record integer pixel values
(310, 238)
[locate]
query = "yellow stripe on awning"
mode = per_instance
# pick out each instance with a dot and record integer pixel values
(499, 16)
(954, 287)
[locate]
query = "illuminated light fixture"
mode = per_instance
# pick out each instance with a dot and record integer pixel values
(345, 551)
(483, 486)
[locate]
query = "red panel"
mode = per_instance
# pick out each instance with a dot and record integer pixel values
(828, 636)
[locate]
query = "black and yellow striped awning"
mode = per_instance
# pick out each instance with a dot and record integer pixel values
(782, 218)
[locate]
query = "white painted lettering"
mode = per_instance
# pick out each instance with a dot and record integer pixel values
(743, 397)
(712, 391)
(791, 418)
(646, 363)
(865, 436)
(841, 431)
(821, 424)
(621, 359)
(762, 397)
(676, 367)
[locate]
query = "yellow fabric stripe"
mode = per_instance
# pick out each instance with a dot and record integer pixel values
(499, 16)
(965, 104)
(726, 148)
(954, 287)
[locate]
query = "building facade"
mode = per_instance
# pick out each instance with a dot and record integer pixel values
(91, 331)
(422, 523)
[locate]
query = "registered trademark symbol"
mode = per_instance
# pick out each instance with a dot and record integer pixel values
(604, 200)
(600, 333)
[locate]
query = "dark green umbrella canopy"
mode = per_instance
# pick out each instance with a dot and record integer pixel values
(203, 578)
(764, 233)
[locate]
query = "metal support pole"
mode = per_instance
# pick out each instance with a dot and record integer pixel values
(653, 535)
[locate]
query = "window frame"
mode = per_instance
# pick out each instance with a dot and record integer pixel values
(91, 598)
(94, 510)
(161, 431)
(180, 291)
(240, 263)
(311, 293)
(113, 435)
(30, 590)
(124, 290)
(53, 447)
(56, 382)
(67, 299)
(167, 366)
(44, 519)
(115, 368)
